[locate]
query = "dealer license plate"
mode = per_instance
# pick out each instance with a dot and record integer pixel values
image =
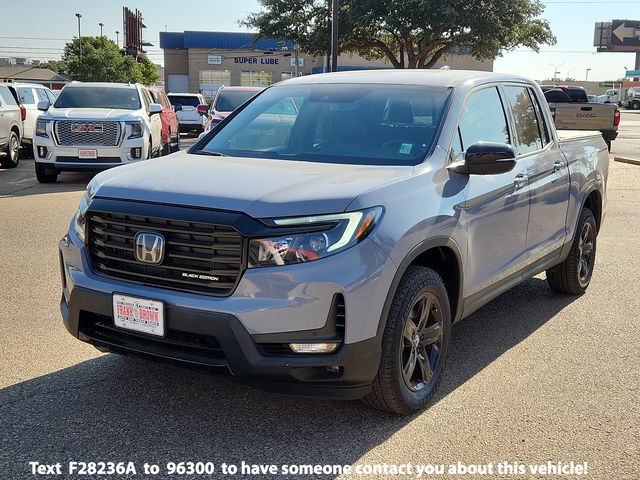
(138, 314)
(88, 154)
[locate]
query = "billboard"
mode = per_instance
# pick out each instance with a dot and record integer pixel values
(617, 36)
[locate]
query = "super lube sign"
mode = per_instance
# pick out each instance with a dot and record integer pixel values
(256, 60)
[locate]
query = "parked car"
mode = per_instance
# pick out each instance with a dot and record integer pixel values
(571, 110)
(227, 99)
(191, 110)
(330, 255)
(170, 125)
(94, 126)
(633, 98)
(11, 117)
(29, 94)
(610, 96)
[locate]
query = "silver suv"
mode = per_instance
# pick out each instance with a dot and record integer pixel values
(327, 249)
(10, 128)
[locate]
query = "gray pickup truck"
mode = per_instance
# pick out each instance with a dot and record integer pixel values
(328, 254)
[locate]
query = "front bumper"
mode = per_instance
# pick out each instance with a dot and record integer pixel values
(67, 158)
(240, 334)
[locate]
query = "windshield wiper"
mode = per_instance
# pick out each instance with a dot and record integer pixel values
(207, 152)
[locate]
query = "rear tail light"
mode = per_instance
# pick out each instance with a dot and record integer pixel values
(23, 113)
(203, 109)
(553, 114)
(616, 118)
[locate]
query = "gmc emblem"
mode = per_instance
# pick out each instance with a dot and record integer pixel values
(86, 127)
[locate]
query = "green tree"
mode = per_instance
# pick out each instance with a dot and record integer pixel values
(102, 61)
(408, 33)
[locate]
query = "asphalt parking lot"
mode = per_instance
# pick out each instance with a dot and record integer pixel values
(532, 377)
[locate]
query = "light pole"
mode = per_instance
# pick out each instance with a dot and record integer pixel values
(79, 35)
(117, 39)
(586, 77)
(555, 70)
(334, 35)
(101, 25)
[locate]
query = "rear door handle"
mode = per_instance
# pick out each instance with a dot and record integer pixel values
(557, 166)
(521, 180)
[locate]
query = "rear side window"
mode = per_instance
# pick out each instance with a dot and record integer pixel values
(524, 116)
(50, 96)
(544, 128)
(42, 95)
(482, 120)
(26, 95)
(7, 96)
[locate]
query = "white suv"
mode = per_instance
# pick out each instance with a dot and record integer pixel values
(29, 95)
(191, 115)
(93, 126)
(11, 116)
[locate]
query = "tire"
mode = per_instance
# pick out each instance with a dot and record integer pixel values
(11, 157)
(45, 175)
(176, 147)
(421, 289)
(635, 105)
(573, 276)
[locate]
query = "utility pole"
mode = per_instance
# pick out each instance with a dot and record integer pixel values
(334, 35)
(79, 35)
(101, 25)
(586, 77)
(117, 38)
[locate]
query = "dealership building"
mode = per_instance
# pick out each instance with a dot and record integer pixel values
(203, 61)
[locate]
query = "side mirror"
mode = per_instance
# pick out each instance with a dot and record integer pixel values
(155, 108)
(203, 108)
(43, 105)
(177, 107)
(486, 158)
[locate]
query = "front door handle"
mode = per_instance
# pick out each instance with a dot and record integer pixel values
(557, 166)
(521, 180)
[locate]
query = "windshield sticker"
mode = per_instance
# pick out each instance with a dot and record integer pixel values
(405, 148)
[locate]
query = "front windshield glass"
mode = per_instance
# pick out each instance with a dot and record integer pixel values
(99, 97)
(367, 124)
(228, 101)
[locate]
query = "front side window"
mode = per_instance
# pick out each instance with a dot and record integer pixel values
(526, 122)
(482, 120)
(99, 97)
(336, 123)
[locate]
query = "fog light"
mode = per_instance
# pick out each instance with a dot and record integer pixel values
(136, 152)
(42, 152)
(325, 347)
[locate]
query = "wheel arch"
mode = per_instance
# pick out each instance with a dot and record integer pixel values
(441, 254)
(593, 201)
(14, 128)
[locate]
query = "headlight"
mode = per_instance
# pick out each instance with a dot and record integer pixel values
(41, 128)
(332, 234)
(136, 129)
(80, 219)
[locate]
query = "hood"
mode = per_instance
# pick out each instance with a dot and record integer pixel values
(261, 188)
(91, 114)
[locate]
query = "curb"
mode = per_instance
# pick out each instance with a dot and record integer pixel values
(631, 161)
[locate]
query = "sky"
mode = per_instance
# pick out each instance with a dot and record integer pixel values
(42, 27)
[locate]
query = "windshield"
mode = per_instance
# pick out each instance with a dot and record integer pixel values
(228, 101)
(336, 123)
(184, 100)
(99, 97)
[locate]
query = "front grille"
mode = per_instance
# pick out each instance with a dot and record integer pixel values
(178, 345)
(192, 249)
(108, 137)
